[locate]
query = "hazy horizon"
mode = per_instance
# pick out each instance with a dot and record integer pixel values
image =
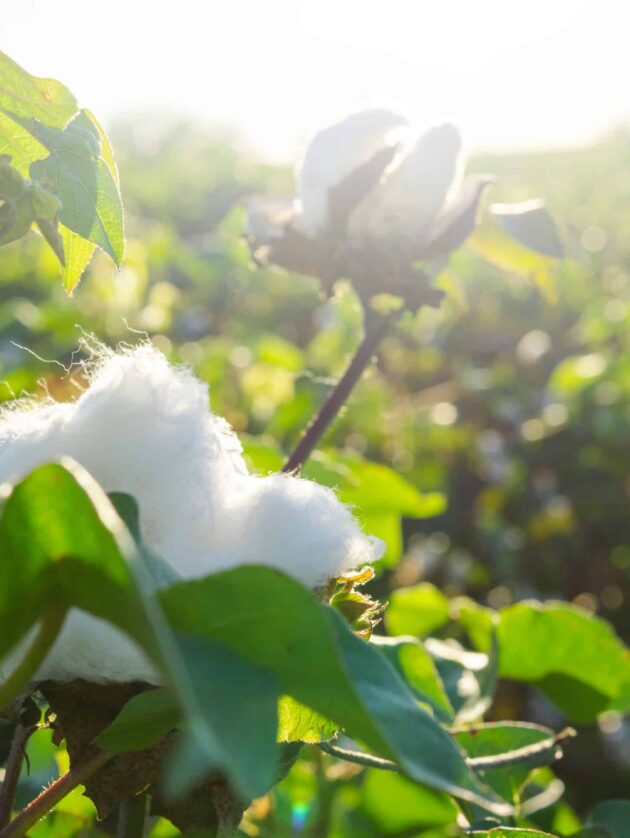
(514, 77)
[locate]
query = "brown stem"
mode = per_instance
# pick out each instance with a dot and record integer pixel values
(338, 395)
(12, 771)
(53, 794)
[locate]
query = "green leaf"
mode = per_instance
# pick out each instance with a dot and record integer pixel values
(612, 816)
(415, 664)
(91, 203)
(26, 96)
(396, 804)
(574, 658)
(506, 253)
(107, 152)
(531, 224)
(78, 252)
(416, 611)
(19, 144)
(62, 544)
(372, 486)
(299, 723)
(469, 678)
(144, 720)
(239, 701)
(270, 619)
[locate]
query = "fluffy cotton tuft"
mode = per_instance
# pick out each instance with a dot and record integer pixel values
(145, 428)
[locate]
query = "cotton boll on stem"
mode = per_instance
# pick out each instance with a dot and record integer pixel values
(145, 428)
(296, 526)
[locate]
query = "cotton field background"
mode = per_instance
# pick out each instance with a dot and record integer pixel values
(463, 513)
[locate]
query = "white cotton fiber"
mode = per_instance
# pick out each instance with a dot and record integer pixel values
(145, 428)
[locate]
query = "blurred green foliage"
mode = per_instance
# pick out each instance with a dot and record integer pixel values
(504, 421)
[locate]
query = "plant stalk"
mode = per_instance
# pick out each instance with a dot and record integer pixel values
(337, 397)
(540, 753)
(47, 632)
(53, 794)
(12, 771)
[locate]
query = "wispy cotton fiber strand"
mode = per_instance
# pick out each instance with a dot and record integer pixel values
(144, 427)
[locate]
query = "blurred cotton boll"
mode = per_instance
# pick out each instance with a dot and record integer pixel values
(334, 154)
(412, 191)
(373, 200)
(145, 428)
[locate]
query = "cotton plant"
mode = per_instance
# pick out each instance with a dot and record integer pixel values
(378, 204)
(385, 205)
(144, 427)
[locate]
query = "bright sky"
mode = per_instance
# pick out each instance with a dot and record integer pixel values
(513, 73)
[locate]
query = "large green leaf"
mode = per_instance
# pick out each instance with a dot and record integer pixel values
(574, 658)
(270, 619)
(83, 180)
(26, 96)
(239, 701)
(61, 545)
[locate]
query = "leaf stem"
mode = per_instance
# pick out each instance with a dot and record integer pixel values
(12, 771)
(47, 632)
(546, 750)
(54, 793)
(374, 333)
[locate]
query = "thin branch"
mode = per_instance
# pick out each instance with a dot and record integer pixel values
(338, 395)
(54, 793)
(12, 771)
(49, 628)
(527, 754)
(358, 757)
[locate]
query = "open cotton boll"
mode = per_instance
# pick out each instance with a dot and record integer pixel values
(291, 523)
(335, 153)
(412, 190)
(145, 428)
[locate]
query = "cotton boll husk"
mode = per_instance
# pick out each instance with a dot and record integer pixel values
(335, 153)
(145, 428)
(411, 191)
